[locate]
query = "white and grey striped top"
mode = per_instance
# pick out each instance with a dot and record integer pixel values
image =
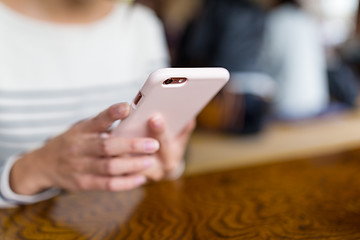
(53, 75)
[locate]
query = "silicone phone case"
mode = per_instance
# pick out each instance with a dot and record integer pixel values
(177, 103)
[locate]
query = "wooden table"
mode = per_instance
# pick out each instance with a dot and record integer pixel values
(313, 198)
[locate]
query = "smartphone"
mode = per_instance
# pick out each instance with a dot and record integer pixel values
(178, 94)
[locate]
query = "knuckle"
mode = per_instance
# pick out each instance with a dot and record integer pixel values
(106, 147)
(133, 166)
(77, 126)
(133, 145)
(82, 184)
(109, 167)
(96, 119)
(112, 111)
(99, 122)
(78, 166)
(72, 149)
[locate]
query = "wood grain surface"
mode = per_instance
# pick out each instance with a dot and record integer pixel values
(313, 198)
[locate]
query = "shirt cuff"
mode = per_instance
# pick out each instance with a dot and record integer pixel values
(11, 198)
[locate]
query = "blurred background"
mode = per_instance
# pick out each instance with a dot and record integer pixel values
(294, 68)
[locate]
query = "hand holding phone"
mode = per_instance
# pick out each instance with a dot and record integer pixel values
(177, 94)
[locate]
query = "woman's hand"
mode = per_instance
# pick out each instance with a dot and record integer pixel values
(171, 153)
(86, 158)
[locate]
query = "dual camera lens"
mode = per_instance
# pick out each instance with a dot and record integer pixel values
(168, 81)
(174, 81)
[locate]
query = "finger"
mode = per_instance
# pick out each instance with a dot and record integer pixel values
(185, 134)
(159, 130)
(126, 182)
(114, 146)
(155, 172)
(119, 166)
(103, 121)
(94, 182)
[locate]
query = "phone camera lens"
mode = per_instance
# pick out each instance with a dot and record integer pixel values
(168, 81)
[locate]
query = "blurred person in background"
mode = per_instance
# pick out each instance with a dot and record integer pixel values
(293, 55)
(224, 33)
(343, 59)
(229, 33)
(274, 52)
(66, 60)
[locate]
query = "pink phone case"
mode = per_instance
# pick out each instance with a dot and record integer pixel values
(178, 94)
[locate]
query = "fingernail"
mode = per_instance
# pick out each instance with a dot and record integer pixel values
(121, 109)
(150, 146)
(104, 135)
(147, 162)
(140, 180)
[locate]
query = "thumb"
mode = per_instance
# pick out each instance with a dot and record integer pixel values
(103, 121)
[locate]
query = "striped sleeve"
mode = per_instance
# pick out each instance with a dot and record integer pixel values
(29, 118)
(10, 199)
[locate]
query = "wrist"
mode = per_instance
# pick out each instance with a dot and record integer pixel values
(26, 176)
